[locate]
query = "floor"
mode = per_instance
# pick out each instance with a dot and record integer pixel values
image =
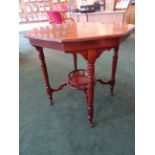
(62, 129)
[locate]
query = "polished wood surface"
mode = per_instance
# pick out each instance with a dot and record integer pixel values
(74, 32)
(89, 40)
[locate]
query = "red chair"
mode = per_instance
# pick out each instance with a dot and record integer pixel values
(57, 17)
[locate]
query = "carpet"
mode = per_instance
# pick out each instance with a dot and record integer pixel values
(62, 129)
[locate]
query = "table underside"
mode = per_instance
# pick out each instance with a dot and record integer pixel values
(81, 79)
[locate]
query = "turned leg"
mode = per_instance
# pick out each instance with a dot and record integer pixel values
(114, 67)
(90, 95)
(44, 72)
(91, 83)
(75, 61)
(85, 91)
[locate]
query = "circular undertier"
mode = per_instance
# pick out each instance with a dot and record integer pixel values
(78, 79)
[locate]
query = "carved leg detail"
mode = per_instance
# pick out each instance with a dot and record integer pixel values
(90, 94)
(114, 67)
(75, 61)
(90, 108)
(91, 83)
(44, 73)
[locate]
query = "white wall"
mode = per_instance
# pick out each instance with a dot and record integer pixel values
(109, 4)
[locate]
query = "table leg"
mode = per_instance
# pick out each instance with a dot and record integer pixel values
(75, 61)
(114, 67)
(44, 72)
(91, 83)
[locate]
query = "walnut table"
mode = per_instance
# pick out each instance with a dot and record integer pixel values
(89, 40)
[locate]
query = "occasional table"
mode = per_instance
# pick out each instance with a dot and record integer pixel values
(89, 40)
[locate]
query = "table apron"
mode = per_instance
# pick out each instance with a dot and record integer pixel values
(47, 44)
(93, 44)
(77, 46)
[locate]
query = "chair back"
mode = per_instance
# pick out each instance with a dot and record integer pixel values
(55, 16)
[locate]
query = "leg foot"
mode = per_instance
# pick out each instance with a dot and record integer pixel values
(90, 115)
(51, 101)
(91, 124)
(112, 91)
(49, 94)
